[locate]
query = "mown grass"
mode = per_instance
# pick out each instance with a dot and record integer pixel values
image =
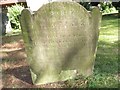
(106, 63)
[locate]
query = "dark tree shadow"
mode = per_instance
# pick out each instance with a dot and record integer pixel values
(22, 73)
(109, 20)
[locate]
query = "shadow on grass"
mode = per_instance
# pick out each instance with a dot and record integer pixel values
(106, 66)
(110, 17)
(107, 58)
(109, 21)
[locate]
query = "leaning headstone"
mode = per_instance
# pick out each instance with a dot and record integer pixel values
(3, 23)
(60, 40)
(5, 26)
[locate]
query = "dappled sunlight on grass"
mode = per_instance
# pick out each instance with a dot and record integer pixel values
(103, 81)
(109, 32)
(106, 63)
(109, 26)
(110, 38)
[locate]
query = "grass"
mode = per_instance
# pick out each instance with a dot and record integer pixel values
(106, 63)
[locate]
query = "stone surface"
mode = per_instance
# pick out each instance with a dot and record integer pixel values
(60, 40)
(4, 20)
(5, 26)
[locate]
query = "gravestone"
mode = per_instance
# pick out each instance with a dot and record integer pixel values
(3, 21)
(60, 40)
(5, 26)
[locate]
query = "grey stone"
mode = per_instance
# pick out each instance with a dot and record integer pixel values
(5, 26)
(60, 40)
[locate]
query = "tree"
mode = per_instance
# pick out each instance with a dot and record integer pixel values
(116, 5)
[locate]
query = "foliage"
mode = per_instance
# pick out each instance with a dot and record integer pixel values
(116, 5)
(87, 5)
(13, 14)
(105, 7)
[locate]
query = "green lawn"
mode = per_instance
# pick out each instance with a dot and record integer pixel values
(106, 63)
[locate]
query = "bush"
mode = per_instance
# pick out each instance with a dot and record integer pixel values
(13, 14)
(106, 7)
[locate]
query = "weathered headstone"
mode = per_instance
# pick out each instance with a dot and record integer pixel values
(5, 26)
(3, 22)
(60, 40)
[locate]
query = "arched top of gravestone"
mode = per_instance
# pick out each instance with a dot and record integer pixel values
(49, 7)
(63, 6)
(56, 11)
(59, 9)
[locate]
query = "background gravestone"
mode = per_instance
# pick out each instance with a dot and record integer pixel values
(5, 26)
(60, 40)
(3, 21)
